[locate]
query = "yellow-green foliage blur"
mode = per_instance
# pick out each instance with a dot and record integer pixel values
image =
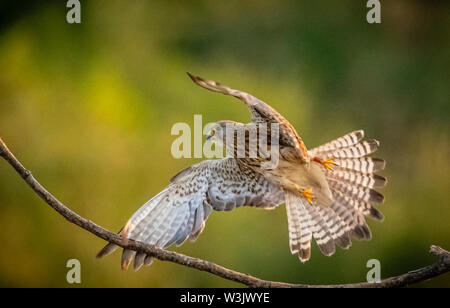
(89, 107)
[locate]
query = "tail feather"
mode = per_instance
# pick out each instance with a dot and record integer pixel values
(321, 231)
(346, 216)
(293, 226)
(352, 182)
(355, 178)
(339, 143)
(299, 223)
(362, 232)
(352, 220)
(361, 164)
(334, 223)
(344, 241)
(361, 149)
(357, 192)
(361, 206)
(376, 214)
(337, 230)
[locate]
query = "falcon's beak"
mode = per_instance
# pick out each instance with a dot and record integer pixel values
(208, 137)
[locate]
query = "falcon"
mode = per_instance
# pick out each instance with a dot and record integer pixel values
(328, 190)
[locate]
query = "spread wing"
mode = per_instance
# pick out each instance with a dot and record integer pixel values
(260, 113)
(182, 208)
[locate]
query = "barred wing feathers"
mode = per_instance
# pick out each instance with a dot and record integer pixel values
(180, 210)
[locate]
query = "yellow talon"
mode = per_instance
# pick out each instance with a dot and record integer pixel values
(308, 195)
(327, 163)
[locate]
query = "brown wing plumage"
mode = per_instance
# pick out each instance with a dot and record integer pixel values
(260, 113)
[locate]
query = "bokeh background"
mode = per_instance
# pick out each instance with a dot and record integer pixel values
(89, 107)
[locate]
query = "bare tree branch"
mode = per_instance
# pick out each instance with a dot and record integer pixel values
(441, 266)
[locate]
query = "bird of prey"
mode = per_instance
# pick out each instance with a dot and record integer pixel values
(328, 190)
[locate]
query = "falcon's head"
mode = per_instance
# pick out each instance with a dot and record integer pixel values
(221, 129)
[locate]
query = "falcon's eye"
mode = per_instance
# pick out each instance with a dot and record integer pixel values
(212, 133)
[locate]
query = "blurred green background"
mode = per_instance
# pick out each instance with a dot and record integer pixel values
(89, 107)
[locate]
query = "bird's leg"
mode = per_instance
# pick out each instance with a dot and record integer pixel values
(306, 193)
(327, 163)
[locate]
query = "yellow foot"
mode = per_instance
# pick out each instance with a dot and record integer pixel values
(307, 194)
(327, 163)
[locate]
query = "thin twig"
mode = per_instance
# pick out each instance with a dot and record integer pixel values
(441, 266)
